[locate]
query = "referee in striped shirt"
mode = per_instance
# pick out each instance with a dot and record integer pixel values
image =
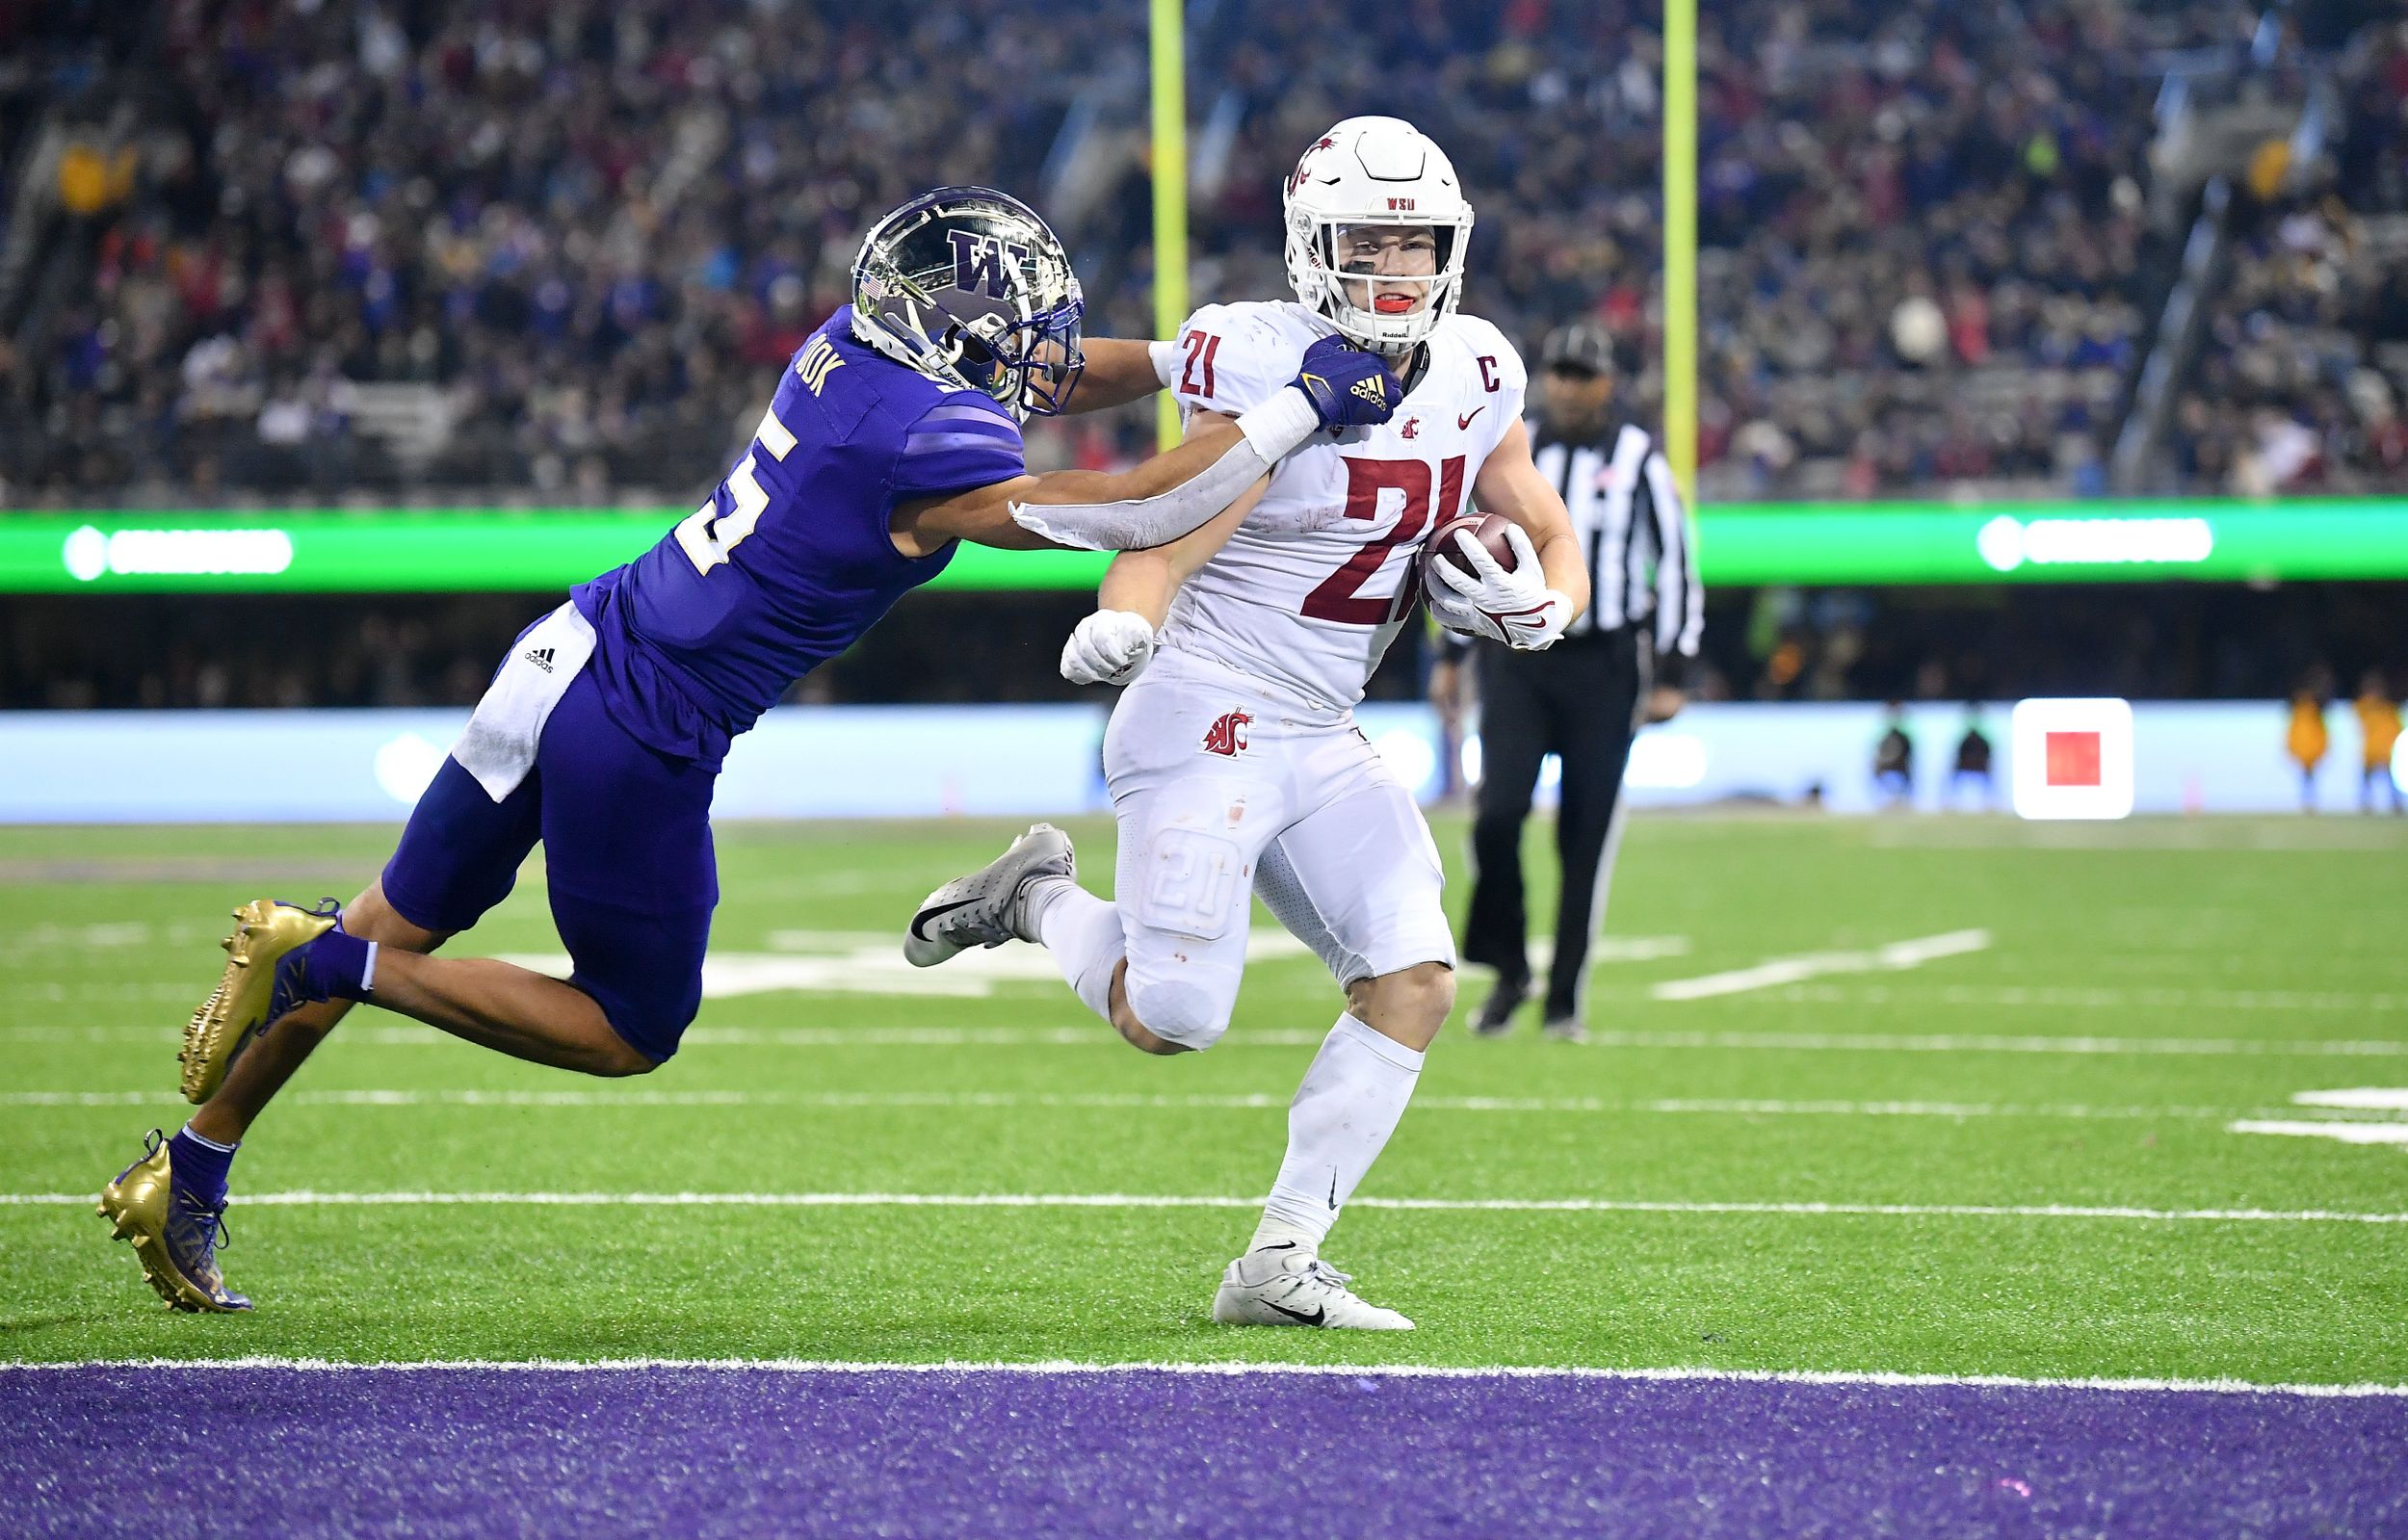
(1583, 699)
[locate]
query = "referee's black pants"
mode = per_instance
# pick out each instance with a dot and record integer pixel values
(1578, 699)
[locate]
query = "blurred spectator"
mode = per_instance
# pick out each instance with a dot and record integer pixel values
(1893, 761)
(1971, 783)
(2378, 736)
(2306, 739)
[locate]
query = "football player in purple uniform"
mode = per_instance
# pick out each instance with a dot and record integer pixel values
(894, 435)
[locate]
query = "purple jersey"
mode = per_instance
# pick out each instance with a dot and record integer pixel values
(791, 560)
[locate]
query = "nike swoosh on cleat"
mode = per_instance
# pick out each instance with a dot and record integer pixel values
(1321, 1313)
(940, 911)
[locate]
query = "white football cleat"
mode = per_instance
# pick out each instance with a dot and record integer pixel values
(1287, 1286)
(985, 908)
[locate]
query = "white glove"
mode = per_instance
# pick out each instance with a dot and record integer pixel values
(1109, 647)
(1513, 606)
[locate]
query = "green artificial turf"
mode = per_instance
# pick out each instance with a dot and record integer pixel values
(2269, 952)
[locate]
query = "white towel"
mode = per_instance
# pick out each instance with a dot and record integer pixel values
(498, 747)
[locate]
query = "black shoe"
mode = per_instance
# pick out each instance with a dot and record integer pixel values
(1567, 1028)
(1495, 1017)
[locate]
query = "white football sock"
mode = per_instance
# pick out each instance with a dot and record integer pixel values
(1351, 1100)
(1082, 932)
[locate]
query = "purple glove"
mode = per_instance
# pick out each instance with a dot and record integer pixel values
(1347, 386)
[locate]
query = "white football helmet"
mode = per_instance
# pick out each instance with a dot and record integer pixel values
(1378, 171)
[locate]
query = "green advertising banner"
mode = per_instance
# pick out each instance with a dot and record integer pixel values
(461, 550)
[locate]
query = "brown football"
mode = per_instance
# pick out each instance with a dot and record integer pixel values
(1488, 529)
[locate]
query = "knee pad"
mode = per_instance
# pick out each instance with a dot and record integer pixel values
(1188, 1010)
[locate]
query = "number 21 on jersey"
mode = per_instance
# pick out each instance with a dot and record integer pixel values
(1340, 597)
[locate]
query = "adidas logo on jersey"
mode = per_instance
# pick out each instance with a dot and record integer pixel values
(1227, 734)
(541, 657)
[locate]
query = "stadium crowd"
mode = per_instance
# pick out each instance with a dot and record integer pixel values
(596, 227)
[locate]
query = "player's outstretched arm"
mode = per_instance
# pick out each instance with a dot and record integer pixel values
(1114, 643)
(1173, 493)
(1119, 371)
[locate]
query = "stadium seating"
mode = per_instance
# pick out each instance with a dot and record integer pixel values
(322, 258)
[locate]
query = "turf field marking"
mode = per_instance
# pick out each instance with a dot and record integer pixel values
(2347, 1132)
(1281, 1037)
(2070, 997)
(1985, 1043)
(1254, 1102)
(305, 1198)
(1898, 954)
(1884, 1378)
(2359, 1099)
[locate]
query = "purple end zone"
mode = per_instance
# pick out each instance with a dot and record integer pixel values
(478, 1451)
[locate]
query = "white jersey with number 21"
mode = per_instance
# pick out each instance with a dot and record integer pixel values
(1313, 586)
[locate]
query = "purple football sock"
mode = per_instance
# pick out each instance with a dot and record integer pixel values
(201, 1164)
(341, 966)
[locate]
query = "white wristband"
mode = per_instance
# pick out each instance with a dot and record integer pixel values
(1281, 423)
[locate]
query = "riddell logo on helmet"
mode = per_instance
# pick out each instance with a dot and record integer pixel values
(1227, 734)
(1401, 206)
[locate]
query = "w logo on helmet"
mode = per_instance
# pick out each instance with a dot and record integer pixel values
(982, 263)
(1227, 734)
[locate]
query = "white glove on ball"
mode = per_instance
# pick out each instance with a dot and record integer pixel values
(1513, 606)
(1109, 647)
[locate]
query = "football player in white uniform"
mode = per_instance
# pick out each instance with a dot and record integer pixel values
(1234, 762)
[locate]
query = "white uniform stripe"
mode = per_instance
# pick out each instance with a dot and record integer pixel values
(1680, 606)
(1611, 599)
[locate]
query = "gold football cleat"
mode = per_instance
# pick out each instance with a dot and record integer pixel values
(176, 1235)
(265, 931)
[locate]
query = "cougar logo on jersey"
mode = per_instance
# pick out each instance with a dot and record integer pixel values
(1227, 734)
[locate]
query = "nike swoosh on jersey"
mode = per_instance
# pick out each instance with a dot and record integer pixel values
(1465, 421)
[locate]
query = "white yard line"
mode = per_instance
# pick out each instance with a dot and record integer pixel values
(1250, 1102)
(1097, 1035)
(2347, 1132)
(2064, 997)
(1898, 954)
(1128, 1200)
(1057, 1366)
(2358, 1098)
(1998, 1043)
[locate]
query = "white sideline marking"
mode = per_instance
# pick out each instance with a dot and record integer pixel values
(2065, 997)
(2359, 1098)
(2347, 1132)
(1252, 1101)
(1059, 1366)
(1898, 954)
(305, 1198)
(1085, 1037)
(1988, 1043)
(1098, 1034)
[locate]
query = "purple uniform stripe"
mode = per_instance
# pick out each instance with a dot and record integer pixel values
(924, 443)
(992, 416)
(1122, 1453)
